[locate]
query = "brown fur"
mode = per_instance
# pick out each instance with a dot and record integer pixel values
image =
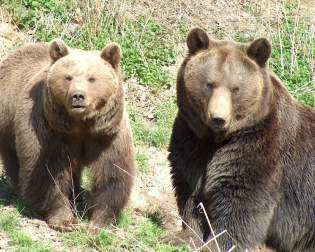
(46, 140)
(256, 173)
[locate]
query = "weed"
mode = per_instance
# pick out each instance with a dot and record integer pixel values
(142, 161)
(8, 220)
(27, 13)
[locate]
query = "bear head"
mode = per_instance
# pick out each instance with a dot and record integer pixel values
(83, 87)
(223, 86)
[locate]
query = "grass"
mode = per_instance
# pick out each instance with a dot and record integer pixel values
(10, 224)
(145, 56)
(131, 234)
(159, 133)
(10, 219)
(294, 50)
(142, 162)
(293, 53)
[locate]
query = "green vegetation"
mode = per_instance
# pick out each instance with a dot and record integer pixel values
(9, 219)
(292, 54)
(142, 162)
(131, 234)
(147, 45)
(9, 223)
(291, 58)
(27, 13)
(157, 134)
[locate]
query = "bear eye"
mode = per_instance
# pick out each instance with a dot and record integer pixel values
(235, 90)
(68, 78)
(92, 79)
(210, 85)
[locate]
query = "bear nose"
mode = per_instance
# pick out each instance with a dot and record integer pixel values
(77, 99)
(78, 96)
(218, 120)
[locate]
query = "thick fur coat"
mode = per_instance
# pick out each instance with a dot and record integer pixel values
(61, 110)
(244, 147)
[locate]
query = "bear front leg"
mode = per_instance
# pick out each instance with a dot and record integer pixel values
(243, 212)
(107, 201)
(188, 159)
(45, 182)
(62, 218)
(112, 167)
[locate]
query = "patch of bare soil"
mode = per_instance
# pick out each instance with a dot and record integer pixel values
(39, 231)
(152, 192)
(5, 242)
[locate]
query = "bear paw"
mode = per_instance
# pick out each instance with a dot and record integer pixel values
(62, 220)
(96, 225)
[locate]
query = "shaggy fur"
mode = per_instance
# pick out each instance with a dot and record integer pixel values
(45, 143)
(256, 175)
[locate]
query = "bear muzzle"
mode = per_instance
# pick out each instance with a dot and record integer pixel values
(77, 102)
(219, 110)
(218, 123)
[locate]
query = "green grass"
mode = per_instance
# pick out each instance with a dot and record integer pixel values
(9, 223)
(131, 234)
(27, 13)
(142, 162)
(293, 50)
(10, 219)
(147, 46)
(157, 134)
(87, 179)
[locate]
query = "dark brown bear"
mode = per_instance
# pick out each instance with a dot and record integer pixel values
(62, 109)
(244, 147)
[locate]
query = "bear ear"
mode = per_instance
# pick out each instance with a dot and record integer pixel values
(197, 39)
(58, 49)
(112, 54)
(260, 51)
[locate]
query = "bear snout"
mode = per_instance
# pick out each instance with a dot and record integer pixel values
(77, 101)
(220, 109)
(218, 121)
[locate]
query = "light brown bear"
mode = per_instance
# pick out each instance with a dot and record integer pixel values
(244, 147)
(62, 109)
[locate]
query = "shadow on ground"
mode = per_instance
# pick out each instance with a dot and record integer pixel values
(9, 197)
